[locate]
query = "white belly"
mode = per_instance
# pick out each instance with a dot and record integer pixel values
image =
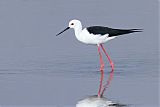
(88, 38)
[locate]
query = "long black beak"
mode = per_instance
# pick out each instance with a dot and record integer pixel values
(63, 31)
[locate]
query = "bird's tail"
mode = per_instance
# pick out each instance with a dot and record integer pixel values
(135, 30)
(117, 32)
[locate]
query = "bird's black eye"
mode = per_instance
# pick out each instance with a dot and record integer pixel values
(72, 23)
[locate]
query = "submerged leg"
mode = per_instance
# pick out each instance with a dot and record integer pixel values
(111, 73)
(108, 82)
(101, 70)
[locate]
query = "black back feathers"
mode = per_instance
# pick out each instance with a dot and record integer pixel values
(112, 32)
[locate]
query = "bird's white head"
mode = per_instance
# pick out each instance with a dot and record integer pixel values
(74, 24)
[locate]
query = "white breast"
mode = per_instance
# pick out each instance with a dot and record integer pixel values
(85, 37)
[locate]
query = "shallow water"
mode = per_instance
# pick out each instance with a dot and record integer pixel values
(45, 83)
(39, 69)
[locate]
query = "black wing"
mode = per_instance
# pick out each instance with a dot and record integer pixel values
(112, 32)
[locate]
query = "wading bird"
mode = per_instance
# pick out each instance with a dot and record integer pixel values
(98, 35)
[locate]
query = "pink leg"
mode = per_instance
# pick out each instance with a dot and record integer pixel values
(102, 72)
(111, 73)
(110, 61)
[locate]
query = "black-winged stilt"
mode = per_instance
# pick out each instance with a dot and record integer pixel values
(97, 35)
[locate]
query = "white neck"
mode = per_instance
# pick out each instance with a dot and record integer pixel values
(78, 30)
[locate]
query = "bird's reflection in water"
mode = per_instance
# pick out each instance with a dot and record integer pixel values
(94, 101)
